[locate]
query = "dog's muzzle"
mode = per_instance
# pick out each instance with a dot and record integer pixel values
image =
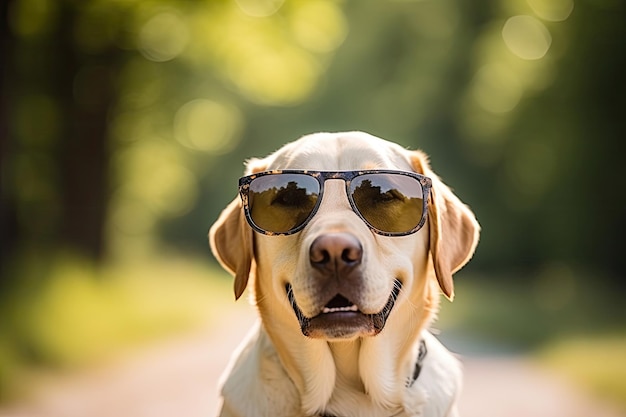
(341, 319)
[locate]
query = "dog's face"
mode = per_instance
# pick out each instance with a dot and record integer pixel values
(336, 279)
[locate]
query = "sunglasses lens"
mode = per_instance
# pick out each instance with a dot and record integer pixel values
(391, 203)
(280, 203)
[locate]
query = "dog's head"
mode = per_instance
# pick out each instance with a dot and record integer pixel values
(338, 275)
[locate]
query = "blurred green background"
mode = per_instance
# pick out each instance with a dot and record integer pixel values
(124, 125)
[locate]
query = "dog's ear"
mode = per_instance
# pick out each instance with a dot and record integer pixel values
(230, 238)
(453, 229)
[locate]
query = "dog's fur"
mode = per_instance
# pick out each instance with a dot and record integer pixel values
(280, 372)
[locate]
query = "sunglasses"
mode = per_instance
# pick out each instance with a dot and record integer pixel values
(282, 202)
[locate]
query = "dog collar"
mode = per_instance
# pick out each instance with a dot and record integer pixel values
(419, 363)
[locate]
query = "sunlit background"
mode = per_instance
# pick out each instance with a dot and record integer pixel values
(125, 125)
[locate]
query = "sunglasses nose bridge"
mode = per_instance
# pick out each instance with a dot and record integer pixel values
(334, 209)
(335, 193)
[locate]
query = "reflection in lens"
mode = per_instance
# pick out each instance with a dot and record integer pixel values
(389, 202)
(279, 203)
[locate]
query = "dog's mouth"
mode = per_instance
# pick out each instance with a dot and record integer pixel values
(342, 319)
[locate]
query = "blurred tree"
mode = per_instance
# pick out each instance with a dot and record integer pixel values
(125, 124)
(8, 232)
(55, 170)
(85, 92)
(518, 104)
(113, 109)
(551, 158)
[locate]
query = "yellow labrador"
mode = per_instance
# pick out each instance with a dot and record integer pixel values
(348, 240)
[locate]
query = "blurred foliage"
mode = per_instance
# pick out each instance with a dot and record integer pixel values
(125, 124)
(519, 103)
(84, 314)
(510, 315)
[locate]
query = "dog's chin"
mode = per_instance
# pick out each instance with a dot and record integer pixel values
(346, 321)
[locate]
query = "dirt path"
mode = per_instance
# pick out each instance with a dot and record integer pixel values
(179, 379)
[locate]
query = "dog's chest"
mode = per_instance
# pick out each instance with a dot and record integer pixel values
(358, 404)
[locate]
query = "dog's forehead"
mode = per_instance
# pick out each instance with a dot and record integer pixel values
(340, 151)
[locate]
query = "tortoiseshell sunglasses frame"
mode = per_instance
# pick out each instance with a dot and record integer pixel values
(321, 177)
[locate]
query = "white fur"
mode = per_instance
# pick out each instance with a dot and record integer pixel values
(280, 372)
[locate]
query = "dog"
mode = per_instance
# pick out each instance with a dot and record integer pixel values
(348, 241)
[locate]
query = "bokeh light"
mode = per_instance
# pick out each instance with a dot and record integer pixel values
(319, 26)
(497, 89)
(163, 37)
(526, 37)
(260, 8)
(552, 10)
(208, 126)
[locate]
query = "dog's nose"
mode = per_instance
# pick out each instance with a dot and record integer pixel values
(335, 252)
